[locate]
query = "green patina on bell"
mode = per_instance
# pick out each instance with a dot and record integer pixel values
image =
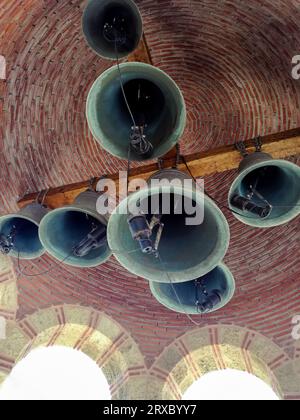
(19, 232)
(156, 103)
(266, 192)
(64, 229)
(186, 251)
(206, 294)
(108, 24)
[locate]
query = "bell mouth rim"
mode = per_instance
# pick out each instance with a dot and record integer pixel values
(267, 223)
(73, 208)
(121, 55)
(15, 254)
(232, 289)
(49, 249)
(99, 135)
(189, 274)
(18, 216)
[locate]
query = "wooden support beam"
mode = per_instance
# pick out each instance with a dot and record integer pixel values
(280, 146)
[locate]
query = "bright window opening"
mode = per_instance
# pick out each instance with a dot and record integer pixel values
(230, 385)
(56, 373)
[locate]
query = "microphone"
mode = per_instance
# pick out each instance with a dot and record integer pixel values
(94, 240)
(245, 204)
(212, 300)
(206, 301)
(141, 232)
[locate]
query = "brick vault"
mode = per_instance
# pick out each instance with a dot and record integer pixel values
(232, 61)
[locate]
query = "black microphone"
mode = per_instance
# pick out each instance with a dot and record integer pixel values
(141, 232)
(245, 204)
(94, 240)
(206, 300)
(210, 301)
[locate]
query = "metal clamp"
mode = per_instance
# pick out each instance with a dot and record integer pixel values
(43, 194)
(241, 147)
(258, 144)
(91, 184)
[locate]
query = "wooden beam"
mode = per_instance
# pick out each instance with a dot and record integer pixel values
(142, 53)
(280, 146)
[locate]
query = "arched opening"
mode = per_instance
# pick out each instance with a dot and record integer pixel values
(56, 373)
(229, 384)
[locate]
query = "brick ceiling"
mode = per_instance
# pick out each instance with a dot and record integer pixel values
(232, 60)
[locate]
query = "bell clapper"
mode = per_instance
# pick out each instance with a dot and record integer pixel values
(205, 301)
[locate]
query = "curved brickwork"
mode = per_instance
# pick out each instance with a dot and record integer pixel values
(8, 291)
(232, 61)
(205, 350)
(81, 328)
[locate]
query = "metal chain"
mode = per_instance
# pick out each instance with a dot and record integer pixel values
(45, 195)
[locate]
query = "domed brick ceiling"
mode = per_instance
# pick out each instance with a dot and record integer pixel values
(232, 61)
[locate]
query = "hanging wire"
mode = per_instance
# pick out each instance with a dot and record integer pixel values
(21, 271)
(45, 196)
(138, 140)
(143, 144)
(122, 85)
(57, 263)
(129, 110)
(175, 291)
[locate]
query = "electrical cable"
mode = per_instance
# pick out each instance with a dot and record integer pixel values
(146, 147)
(122, 85)
(57, 263)
(129, 110)
(138, 140)
(175, 291)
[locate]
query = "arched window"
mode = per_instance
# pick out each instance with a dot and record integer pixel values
(229, 385)
(56, 373)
